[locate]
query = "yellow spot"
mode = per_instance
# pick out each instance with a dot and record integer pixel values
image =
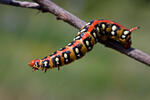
(114, 27)
(56, 59)
(65, 55)
(77, 50)
(112, 33)
(97, 29)
(103, 26)
(45, 63)
(126, 32)
(123, 36)
(94, 34)
(87, 43)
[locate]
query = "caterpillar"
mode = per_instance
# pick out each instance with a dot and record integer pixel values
(93, 32)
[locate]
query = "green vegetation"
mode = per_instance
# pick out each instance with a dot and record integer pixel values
(103, 74)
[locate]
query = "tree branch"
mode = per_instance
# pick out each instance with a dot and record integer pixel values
(23, 4)
(61, 14)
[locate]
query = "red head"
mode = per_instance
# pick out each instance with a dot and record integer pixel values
(35, 64)
(32, 63)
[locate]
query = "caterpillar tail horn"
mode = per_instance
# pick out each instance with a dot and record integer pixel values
(134, 28)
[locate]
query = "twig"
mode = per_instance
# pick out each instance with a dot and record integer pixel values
(23, 4)
(61, 14)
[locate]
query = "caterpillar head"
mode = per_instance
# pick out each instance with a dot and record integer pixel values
(125, 37)
(35, 64)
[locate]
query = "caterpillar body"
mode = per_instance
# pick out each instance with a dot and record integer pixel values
(93, 32)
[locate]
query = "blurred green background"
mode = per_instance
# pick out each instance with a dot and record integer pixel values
(103, 74)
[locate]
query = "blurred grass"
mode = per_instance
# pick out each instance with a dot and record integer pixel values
(102, 74)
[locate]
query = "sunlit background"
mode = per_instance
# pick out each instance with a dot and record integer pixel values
(103, 74)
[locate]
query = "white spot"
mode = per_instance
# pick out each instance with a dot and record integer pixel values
(69, 44)
(36, 64)
(89, 48)
(60, 49)
(94, 34)
(78, 55)
(103, 26)
(112, 33)
(65, 55)
(97, 29)
(82, 30)
(126, 32)
(77, 37)
(87, 43)
(76, 50)
(56, 59)
(57, 62)
(45, 63)
(123, 36)
(114, 27)
(88, 23)
(66, 60)
(78, 33)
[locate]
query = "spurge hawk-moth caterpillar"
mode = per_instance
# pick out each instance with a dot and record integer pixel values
(93, 32)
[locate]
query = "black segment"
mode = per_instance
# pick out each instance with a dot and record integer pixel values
(95, 37)
(37, 64)
(125, 35)
(103, 31)
(45, 64)
(56, 63)
(113, 30)
(78, 54)
(66, 59)
(90, 46)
